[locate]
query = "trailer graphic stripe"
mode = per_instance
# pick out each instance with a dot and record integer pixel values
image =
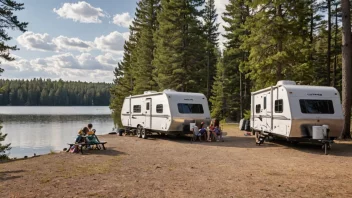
(275, 117)
(160, 116)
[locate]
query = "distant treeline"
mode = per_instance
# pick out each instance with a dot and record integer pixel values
(39, 92)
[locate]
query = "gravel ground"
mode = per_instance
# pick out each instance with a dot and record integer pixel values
(174, 167)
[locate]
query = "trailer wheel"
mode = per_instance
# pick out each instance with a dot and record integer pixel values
(139, 131)
(144, 133)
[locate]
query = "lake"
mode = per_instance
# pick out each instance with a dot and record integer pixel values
(41, 130)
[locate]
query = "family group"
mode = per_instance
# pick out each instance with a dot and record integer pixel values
(208, 133)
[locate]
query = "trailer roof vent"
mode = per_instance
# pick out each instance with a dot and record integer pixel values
(169, 90)
(285, 82)
(149, 92)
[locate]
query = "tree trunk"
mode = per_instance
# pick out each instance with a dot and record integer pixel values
(335, 47)
(346, 67)
(311, 30)
(328, 67)
(241, 96)
(279, 46)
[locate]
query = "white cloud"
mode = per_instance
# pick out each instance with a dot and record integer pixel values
(109, 59)
(112, 42)
(64, 43)
(84, 67)
(124, 19)
(33, 41)
(44, 42)
(84, 61)
(80, 12)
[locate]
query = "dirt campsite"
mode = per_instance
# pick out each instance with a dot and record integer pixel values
(175, 167)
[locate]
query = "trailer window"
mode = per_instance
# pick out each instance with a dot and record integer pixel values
(147, 106)
(257, 108)
(279, 106)
(317, 106)
(264, 102)
(136, 108)
(159, 108)
(190, 108)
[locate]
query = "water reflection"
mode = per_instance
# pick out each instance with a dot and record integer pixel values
(29, 134)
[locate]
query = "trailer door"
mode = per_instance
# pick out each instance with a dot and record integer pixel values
(148, 113)
(265, 113)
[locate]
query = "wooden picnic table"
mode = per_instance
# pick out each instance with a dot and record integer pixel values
(85, 144)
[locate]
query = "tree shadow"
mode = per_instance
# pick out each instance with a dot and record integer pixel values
(337, 149)
(229, 141)
(8, 175)
(110, 151)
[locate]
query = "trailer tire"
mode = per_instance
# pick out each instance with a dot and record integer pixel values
(139, 131)
(144, 133)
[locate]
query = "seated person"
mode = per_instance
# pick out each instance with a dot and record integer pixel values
(195, 130)
(91, 138)
(81, 133)
(91, 130)
(211, 131)
(202, 130)
(218, 133)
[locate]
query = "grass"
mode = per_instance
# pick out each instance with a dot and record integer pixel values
(52, 152)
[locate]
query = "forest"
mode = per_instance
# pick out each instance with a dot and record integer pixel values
(39, 92)
(175, 44)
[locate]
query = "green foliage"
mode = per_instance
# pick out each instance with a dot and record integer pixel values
(247, 114)
(211, 36)
(168, 49)
(278, 42)
(9, 21)
(180, 48)
(3, 147)
(143, 70)
(39, 92)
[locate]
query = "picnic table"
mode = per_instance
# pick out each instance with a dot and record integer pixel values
(80, 146)
(86, 143)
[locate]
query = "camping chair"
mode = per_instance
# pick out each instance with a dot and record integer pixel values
(197, 135)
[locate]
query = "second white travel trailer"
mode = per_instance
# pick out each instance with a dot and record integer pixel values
(297, 112)
(167, 112)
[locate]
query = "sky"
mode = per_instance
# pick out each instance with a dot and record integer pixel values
(73, 40)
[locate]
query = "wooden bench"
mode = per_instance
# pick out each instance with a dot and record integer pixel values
(86, 145)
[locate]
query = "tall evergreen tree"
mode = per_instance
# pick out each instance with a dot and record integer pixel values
(232, 78)
(143, 71)
(123, 82)
(211, 34)
(278, 42)
(8, 21)
(179, 54)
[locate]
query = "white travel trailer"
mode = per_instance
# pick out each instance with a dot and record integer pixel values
(297, 112)
(167, 112)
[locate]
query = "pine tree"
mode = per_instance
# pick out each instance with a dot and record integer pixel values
(217, 98)
(123, 82)
(230, 82)
(3, 147)
(9, 21)
(143, 73)
(179, 54)
(278, 42)
(211, 34)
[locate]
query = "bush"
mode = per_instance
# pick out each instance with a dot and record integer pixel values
(5, 147)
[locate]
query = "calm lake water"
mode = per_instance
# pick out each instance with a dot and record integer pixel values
(43, 129)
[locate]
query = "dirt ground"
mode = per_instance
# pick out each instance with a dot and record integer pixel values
(174, 167)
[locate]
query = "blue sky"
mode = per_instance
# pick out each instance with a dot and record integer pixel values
(72, 40)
